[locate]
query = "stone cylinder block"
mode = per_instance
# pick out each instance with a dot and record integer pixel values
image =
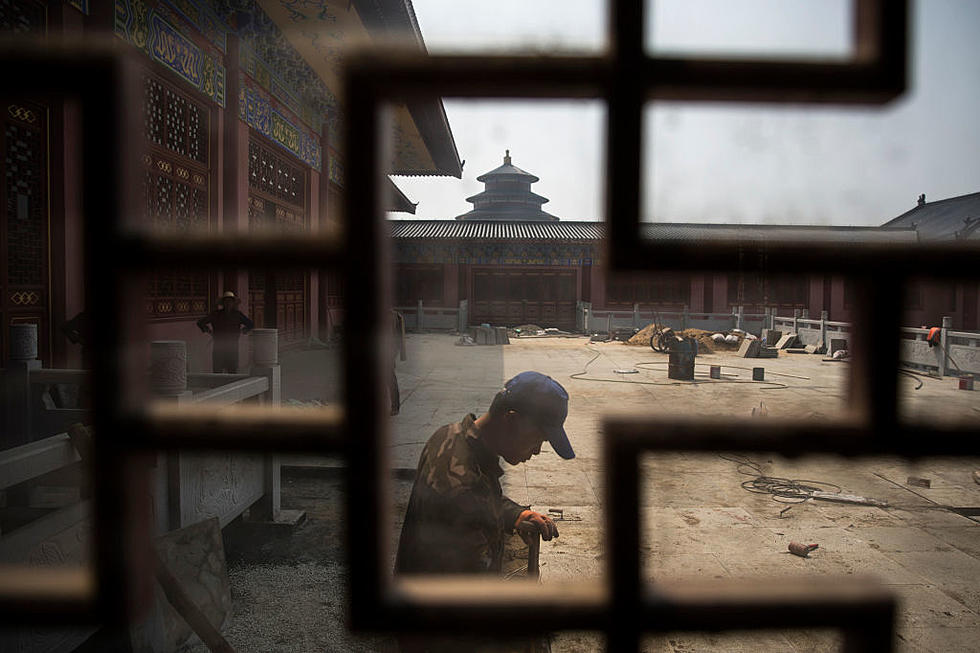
(265, 347)
(168, 367)
(23, 342)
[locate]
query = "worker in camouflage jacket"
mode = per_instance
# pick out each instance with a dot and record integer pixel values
(457, 516)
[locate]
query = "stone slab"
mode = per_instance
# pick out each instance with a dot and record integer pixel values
(768, 352)
(837, 344)
(749, 348)
(786, 341)
(771, 335)
(926, 605)
(195, 555)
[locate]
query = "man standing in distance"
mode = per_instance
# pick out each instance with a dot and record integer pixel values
(226, 324)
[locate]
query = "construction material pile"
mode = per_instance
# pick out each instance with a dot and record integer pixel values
(642, 337)
(708, 341)
(527, 330)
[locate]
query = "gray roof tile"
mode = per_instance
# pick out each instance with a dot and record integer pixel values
(594, 231)
(944, 219)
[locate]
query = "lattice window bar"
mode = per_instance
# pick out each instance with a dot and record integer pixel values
(622, 607)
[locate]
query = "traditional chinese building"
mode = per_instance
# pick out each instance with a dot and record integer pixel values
(928, 300)
(516, 264)
(241, 124)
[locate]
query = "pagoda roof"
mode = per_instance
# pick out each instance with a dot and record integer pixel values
(507, 196)
(505, 170)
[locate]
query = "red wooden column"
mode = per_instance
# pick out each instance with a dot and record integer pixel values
(719, 299)
(66, 236)
(815, 295)
(450, 285)
(231, 164)
(326, 220)
(317, 180)
(696, 300)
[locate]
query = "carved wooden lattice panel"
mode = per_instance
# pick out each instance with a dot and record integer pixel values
(175, 191)
(22, 17)
(275, 177)
(277, 204)
(24, 208)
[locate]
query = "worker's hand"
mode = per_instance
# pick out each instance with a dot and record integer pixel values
(544, 523)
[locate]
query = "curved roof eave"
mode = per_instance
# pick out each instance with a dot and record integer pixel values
(396, 19)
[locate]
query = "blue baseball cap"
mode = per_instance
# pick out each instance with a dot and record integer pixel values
(542, 399)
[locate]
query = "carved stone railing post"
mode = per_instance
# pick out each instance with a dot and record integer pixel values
(19, 402)
(168, 369)
(265, 347)
(942, 355)
(462, 317)
(265, 362)
(823, 330)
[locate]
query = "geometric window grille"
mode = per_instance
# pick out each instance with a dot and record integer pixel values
(174, 122)
(277, 205)
(624, 79)
(24, 193)
(22, 17)
(175, 191)
(274, 177)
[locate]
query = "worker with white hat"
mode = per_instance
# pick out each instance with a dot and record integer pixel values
(226, 323)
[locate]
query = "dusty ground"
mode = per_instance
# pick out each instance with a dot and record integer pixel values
(698, 520)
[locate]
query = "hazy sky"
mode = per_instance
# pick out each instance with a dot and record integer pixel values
(721, 162)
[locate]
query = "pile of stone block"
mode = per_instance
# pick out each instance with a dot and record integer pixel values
(488, 335)
(755, 349)
(787, 341)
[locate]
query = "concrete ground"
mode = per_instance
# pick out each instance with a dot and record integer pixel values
(697, 519)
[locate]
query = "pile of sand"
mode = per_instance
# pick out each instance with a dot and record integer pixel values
(642, 337)
(705, 344)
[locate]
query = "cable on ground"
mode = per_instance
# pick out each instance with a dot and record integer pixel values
(782, 490)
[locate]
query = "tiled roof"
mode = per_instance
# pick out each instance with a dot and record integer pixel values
(944, 219)
(752, 233)
(567, 230)
(397, 200)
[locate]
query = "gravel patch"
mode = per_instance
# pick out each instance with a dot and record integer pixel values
(292, 608)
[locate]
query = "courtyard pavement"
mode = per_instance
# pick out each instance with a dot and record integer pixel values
(697, 519)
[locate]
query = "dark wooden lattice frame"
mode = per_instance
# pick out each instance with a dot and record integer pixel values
(623, 608)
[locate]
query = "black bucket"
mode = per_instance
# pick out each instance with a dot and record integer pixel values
(680, 363)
